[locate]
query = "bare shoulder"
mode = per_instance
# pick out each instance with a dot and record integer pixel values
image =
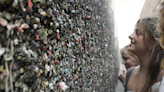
(160, 75)
(133, 81)
(135, 70)
(137, 67)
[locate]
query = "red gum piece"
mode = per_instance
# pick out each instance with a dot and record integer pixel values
(84, 47)
(73, 75)
(20, 30)
(89, 17)
(45, 21)
(30, 4)
(58, 36)
(77, 39)
(77, 77)
(60, 87)
(55, 62)
(37, 37)
(48, 15)
(44, 48)
(70, 32)
(49, 52)
(66, 15)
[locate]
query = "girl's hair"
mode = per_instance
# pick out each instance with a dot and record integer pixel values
(129, 54)
(149, 32)
(161, 27)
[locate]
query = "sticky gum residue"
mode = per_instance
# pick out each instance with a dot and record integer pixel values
(55, 45)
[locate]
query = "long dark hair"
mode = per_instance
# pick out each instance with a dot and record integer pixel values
(149, 26)
(154, 67)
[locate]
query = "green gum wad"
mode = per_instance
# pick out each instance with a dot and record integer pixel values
(35, 1)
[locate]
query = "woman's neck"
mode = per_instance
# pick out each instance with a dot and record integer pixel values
(144, 61)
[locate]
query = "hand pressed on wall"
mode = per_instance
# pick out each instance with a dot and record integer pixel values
(122, 76)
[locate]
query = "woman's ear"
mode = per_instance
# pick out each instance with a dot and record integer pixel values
(153, 44)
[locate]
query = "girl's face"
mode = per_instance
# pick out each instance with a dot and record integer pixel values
(128, 62)
(138, 46)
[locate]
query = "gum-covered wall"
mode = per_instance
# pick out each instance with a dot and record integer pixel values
(57, 45)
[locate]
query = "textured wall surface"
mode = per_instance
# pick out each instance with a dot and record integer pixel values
(150, 8)
(55, 45)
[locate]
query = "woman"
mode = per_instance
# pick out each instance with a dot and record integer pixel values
(129, 60)
(144, 44)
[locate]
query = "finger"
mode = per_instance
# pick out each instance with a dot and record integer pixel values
(124, 72)
(120, 72)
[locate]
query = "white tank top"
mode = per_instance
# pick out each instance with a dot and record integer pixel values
(161, 89)
(158, 87)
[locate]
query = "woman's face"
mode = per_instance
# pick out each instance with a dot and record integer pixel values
(137, 45)
(128, 62)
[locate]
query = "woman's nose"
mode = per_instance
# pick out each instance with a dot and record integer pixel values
(123, 62)
(131, 36)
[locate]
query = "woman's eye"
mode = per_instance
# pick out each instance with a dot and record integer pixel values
(125, 58)
(138, 32)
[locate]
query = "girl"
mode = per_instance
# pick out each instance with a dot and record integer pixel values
(144, 44)
(129, 60)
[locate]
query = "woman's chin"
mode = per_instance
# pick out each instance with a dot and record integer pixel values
(127, 68)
